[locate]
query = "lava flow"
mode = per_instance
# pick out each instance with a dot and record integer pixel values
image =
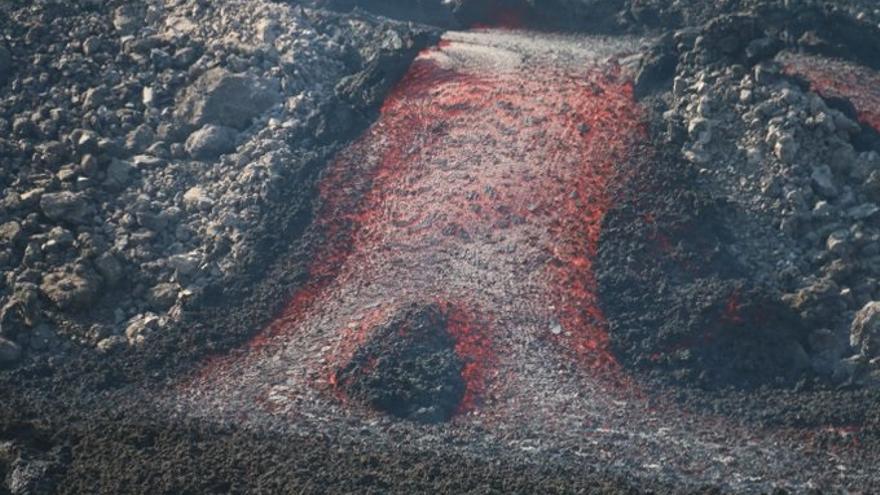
(481, 190)
(453, 281)
(836, 78)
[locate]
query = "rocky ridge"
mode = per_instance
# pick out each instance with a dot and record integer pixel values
(144, 145)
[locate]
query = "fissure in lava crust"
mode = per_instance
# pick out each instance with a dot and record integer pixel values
(480, 190)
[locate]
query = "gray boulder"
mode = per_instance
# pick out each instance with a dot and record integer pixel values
(65, 206)
(864, 335)
(211, 141)
(20, 312)
(222, 98)
(197, 198)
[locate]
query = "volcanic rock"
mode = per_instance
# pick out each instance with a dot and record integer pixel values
(125, 19)
(140, 327)
(10, 232)
(211, 141)
(409, 368)
(196, 197)
(163, 295)
(65, 206)
(70, 291)
(225, 99)
(30, 476)
(110, 269)
(786, 149)
(140, 139)
(865, 331)
(838, 242)
(20, 311)
(863, 211)
(119, 174)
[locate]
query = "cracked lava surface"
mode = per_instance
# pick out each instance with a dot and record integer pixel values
(479, 193)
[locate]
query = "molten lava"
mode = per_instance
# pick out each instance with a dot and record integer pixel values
(481, 189)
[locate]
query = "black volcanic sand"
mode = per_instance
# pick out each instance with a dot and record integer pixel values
(91, 417)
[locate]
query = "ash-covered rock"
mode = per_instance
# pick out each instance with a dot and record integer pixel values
(408, 368)
(148, 148)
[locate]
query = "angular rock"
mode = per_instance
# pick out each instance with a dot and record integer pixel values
(864, 334)
(110, 343)
(65, 206)
(211, 141)
(838, 242)
(20, 311)
(126, 19)
(163, 295)
(30, 477)
(140, 327)
(10, 232)
(196, 197)
(140, 139)
(185, 264)
(786, 148)
(119, 174)
(70, 291)
(222, 98)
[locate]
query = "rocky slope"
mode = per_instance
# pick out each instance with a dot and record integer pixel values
(146, 146)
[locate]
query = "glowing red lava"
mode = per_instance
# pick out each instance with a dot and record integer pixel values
(481, 189)
(842, 79)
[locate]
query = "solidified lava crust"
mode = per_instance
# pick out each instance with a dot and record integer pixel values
(409, 368)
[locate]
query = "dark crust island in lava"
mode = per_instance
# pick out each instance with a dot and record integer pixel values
(408, 368)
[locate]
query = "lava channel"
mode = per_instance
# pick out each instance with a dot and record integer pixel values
(453, 284)
(481, 190)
